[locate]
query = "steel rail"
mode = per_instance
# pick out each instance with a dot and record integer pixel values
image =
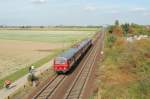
(75, 90)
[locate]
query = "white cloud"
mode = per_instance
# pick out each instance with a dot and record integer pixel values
(146, 14)
(39, 1)
(114, 11)
(90, 8)
(142, 11)
(138, 9)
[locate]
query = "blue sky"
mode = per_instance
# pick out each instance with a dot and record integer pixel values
(73, 12)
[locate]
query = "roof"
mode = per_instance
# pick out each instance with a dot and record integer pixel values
(83, 43)
(70, 52)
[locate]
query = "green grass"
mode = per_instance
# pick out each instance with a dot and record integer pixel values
(140, 89)
(45, 36)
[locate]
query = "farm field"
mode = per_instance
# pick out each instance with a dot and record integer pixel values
(21, 48)
(18, 54)
(45, 36)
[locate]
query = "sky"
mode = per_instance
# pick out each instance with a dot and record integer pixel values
(73, 12)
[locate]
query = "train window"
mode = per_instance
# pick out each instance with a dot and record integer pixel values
(59, 61)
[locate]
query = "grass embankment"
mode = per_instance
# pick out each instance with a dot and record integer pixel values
(18, 74)
(125, 70)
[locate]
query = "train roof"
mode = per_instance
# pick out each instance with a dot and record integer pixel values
(83, 43)
(70, 52)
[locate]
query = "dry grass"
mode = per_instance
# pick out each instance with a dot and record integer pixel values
(15, 55)
(125, 72)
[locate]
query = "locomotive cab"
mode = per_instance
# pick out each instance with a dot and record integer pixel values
(60, 64)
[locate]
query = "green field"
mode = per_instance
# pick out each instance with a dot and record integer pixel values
(45, 36)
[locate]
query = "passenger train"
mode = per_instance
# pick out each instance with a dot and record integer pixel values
(64, 62)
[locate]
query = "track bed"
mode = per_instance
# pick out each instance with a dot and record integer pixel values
(73, 84)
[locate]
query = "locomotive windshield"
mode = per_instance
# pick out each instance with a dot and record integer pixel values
(59, 60)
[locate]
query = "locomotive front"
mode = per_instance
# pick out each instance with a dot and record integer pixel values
(60, 65)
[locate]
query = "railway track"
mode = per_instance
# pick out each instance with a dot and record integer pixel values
(49, 88)
(76, 87)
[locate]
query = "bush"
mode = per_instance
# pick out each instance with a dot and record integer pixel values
(111, 40)
(32, 77)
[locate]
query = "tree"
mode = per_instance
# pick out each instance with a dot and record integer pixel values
(125, 28)
(110, 29)
(111, 40)
(117, 23)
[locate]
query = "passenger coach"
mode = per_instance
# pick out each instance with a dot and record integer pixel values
(66, 60)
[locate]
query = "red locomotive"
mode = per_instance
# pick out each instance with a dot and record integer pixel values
(66, 60)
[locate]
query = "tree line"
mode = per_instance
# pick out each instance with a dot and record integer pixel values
(127, 29)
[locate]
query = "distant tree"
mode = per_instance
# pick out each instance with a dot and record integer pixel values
(22, 26)
(110, 29)
(139, 29)
(111, 40)
(126, 28)
(41, 26)
(1, 26)
(117, 23)
(135, 25)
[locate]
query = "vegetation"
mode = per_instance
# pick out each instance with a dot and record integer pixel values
(51, 28)
(45, 36)
(129, 29)
(125, 70)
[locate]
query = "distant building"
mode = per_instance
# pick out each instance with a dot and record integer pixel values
(129, 39)
(136, 37)
(147, 26)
